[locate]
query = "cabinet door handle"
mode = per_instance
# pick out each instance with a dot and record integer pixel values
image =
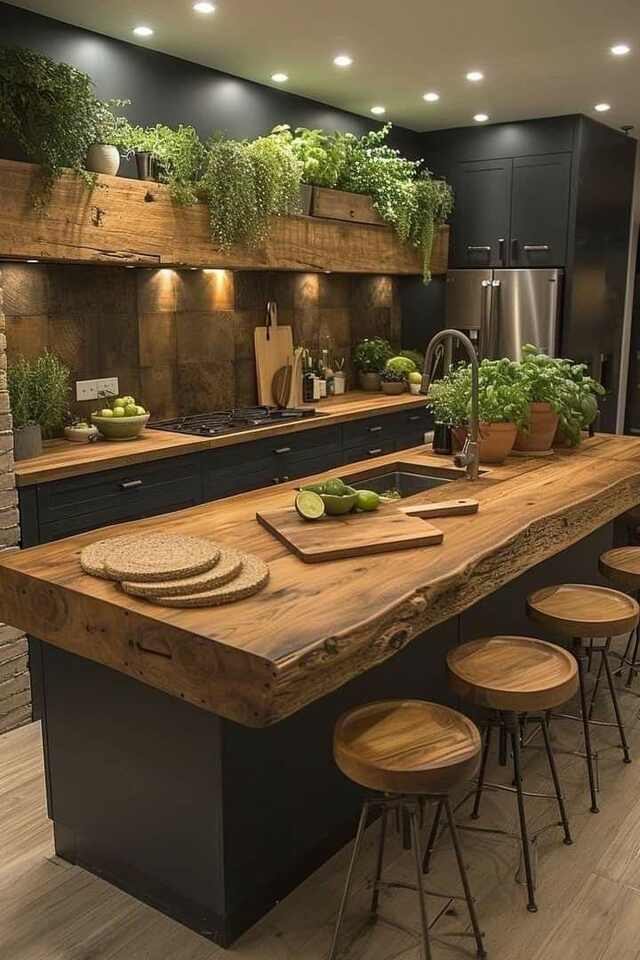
(280, 450)
(375, 453)
(536, 247)
(374, 429)
(414, 418)
(501, 250)
(478, 249)
(130, 484)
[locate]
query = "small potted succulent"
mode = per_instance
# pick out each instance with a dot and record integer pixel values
(369, 359)
(393, 381)
(39, 395)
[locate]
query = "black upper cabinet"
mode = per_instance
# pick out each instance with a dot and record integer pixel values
(482, 213)
(540, 210)
(512, 212)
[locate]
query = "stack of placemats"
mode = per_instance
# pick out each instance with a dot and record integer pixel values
(175, 571)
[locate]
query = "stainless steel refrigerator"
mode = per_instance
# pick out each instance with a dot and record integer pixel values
(502, 310)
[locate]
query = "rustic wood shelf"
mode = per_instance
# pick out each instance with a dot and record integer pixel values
(134, 222)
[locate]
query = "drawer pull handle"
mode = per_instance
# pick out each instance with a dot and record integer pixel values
(280, 450)
(478, 249)
(374, 453)
(537, 247)
(130, 484)
(415, 417)
(374, 429)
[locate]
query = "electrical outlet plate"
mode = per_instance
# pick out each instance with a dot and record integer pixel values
(107, 387)
(86, 390)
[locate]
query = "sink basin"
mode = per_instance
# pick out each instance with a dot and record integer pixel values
(407, 478)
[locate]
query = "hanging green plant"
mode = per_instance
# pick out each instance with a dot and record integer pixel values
(179, 154)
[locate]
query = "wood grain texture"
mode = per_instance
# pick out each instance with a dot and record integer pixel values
(448, 508)
(406, 746)
(519, 674)
(583, 610)
(64, 459)
(303, 636)
(341, 205)
(354, 535)
(622, 566)
(134, 222)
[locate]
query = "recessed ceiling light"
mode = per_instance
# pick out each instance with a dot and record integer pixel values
(343, 60)
(378, 110)
(33, 261)
(481, 117)
(620, 49)
(279, 77)
(143, 31)
(602, 107)
(431, 97)
(204, 7)
(475, 76)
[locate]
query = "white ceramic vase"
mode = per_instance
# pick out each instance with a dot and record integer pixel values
(103, 158)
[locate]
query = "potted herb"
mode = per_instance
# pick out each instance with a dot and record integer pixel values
(320, 154)
(393, 381)
(503, 405)
(581, 407)
(173, 156)
(369, 359)
(110, 132)
(39, 394)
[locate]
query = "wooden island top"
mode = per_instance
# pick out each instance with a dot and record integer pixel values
(315, 627)
(62, 458)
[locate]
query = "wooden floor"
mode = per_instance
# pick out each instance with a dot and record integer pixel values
(589, 893)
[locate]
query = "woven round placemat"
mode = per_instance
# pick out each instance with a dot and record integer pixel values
(160, 556)
(92, 557)
(228, 566)
(252, 578)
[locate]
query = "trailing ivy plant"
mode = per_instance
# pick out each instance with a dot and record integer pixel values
(179, 153)
(51, 111)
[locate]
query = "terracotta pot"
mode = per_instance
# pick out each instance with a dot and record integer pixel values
(496, 441)
(543, 424)
(393, 386)
(369, 381)
(103, 158)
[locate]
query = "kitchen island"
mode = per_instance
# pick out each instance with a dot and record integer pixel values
(189, 751)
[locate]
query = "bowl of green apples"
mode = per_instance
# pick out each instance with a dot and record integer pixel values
(122, 419)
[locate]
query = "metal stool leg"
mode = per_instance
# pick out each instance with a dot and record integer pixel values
(475, 813)
(514, 732)
(482, 953)
(376, 883)
(347, 887)
(556, 780)
(578, 653)
(596, 687)
(634, 659)
(415, 842)
(426, 863)
(616, 706)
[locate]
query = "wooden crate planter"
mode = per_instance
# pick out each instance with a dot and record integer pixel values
(340, 205)
(133, 222)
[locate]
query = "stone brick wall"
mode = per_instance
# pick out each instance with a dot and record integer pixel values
(15, 689)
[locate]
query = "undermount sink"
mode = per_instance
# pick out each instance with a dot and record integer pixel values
(407, 478)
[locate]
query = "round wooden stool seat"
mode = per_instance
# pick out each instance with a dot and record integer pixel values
(622, 566)
(406, 746)
(518, 674)
(583, 610)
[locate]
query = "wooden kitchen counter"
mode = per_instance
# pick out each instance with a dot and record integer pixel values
(62, 458)
(317, 626)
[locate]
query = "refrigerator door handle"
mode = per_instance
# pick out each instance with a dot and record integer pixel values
(553, 313)
(486, 306)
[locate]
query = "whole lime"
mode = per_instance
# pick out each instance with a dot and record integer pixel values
(335, 487)
(367, 500)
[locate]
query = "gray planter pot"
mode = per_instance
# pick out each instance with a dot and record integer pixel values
(393, 386)
(147, 166)
(27, 442)
(306, 199)
(369, 381)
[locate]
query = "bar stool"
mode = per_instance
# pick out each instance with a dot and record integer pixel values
(408, 751)
(513, 676)
(584, 612)
(622, 566)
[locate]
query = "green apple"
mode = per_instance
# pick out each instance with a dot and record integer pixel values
(128, 401)
(140, 411)
(117, 412)
(107, 412)
(131, 410)
(119, 402)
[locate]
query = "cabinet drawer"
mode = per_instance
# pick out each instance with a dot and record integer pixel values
(375, 448)
(123, 494)
(260, 452)
(372, 431)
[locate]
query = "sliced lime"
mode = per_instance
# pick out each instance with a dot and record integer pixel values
(309, 505)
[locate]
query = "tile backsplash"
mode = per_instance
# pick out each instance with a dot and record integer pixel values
(182, 340)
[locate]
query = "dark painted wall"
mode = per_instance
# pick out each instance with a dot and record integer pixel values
(164, 89)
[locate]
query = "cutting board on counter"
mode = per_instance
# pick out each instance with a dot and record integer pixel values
(354, 535)
(274, 350)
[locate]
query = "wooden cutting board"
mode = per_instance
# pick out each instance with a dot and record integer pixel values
(354, 535)
(274, 349)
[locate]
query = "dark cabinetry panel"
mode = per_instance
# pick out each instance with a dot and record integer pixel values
(540, 210)
(481, 222)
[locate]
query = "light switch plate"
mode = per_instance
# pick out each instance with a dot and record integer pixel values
(107, 387)
(86, 390)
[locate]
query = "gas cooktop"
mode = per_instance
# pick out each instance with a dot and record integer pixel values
(233, 421)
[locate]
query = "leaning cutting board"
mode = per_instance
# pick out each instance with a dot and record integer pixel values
(274, 349)
(354, 535)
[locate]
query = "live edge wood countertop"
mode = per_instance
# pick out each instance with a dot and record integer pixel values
(62, 458)
(316, 626)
